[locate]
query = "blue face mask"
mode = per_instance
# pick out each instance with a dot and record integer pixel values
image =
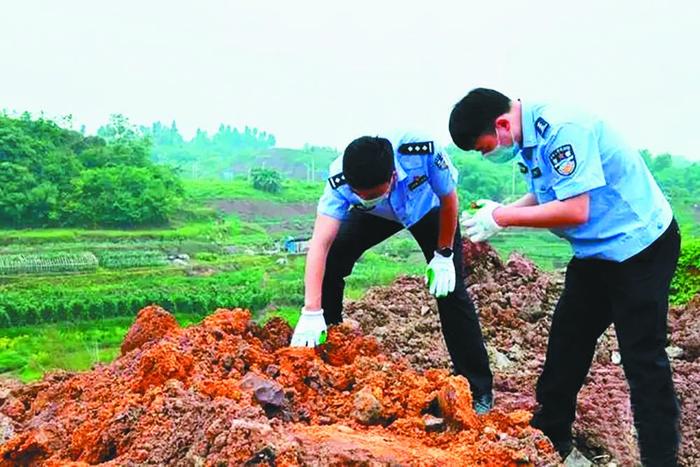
(502, 154)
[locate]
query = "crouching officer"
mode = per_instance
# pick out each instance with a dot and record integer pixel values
(589, 187)
(376, 189)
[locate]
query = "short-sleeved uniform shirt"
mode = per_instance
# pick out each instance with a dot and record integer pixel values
(424, 173)
(566, 153)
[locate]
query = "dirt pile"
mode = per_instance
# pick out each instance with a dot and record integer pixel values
(228, 392)
(515, 302)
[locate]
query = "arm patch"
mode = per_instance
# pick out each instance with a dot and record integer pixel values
(563, 160)
(337, 180)
(440, 162)
(424, 148)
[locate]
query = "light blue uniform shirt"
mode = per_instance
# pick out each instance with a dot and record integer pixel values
(566, 153)
(424, 172)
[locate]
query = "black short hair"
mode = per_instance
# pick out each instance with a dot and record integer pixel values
(475, 114)
(368, 162)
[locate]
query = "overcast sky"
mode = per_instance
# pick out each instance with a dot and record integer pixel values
(323, 72)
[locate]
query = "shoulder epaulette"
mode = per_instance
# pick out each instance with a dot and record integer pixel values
(337, 180)
(541, 126)
(417, 149)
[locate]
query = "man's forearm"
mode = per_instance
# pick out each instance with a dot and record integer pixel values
(529, 199)
(448, 220)
(554, 214)
(325, 231)
(313, 277)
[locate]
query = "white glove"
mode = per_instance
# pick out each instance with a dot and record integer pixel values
(482, 225)
(310, 329)
(440, 275)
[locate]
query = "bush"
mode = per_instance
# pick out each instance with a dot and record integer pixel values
(686, 282)
(124, 197)
(207, 256)
(266, 180)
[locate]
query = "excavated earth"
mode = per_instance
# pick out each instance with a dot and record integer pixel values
(515, 302)
(229, 392)
(379, 392)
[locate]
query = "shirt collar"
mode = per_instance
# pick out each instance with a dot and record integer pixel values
(400, 173)
(527, 125)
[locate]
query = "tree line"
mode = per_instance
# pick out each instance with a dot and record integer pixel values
(129, 176)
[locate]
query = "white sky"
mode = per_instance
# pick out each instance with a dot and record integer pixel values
(323, 72)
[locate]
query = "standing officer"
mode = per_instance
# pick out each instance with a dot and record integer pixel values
(376, 189)
(589, 187)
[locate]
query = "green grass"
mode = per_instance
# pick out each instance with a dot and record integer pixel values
(229, 230)
(287, 313)
(28, 352)
(688, 218)
(200, 230)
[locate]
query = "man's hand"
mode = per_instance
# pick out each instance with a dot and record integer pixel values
(440, 275)
(481, 225)
(310, 330)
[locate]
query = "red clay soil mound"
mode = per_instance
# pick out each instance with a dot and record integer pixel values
(228, 392)
(515, 301)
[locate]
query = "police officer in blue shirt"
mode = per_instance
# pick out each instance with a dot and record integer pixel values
(376, 189)
(589, 187)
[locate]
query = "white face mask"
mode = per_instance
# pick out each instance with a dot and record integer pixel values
(502, 154)
(370, 203)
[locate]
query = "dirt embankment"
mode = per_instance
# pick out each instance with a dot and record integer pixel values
(256, 209)
(516, 302)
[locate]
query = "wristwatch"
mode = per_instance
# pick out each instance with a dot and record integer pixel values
(446, 252)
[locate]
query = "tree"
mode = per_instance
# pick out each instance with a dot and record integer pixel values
(119, 128)
(266, 180)
(662, 162)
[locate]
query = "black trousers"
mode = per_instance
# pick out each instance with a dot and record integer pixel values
(633, 295)
(460, 325)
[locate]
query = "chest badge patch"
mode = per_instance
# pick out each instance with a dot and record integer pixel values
(563, 160)
(417, 181)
